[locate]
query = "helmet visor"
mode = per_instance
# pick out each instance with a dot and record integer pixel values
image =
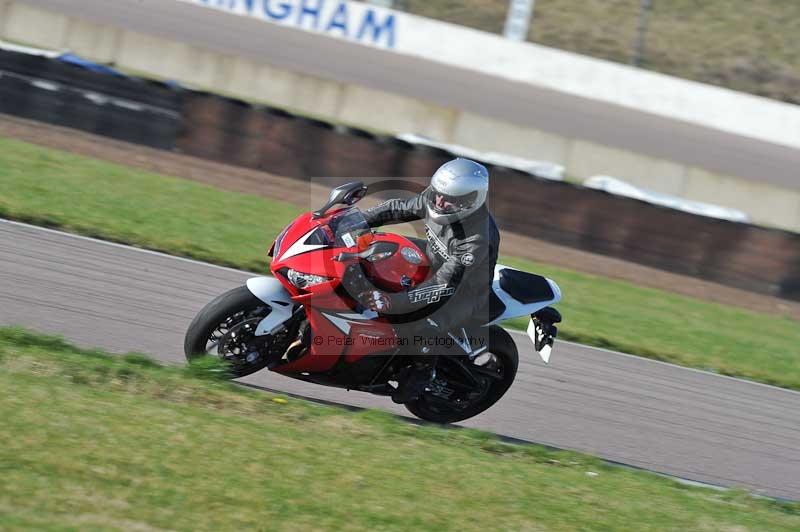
(446, 204)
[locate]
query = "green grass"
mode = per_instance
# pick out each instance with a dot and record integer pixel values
(746, 45)
(95, 198)
(186, 218)
(95, 442)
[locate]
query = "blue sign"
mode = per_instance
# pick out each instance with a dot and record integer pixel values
(358, 22)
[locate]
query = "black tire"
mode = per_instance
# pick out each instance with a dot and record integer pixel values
(236, 301)
(502, 346)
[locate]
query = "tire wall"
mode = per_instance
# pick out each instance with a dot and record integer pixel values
(127, 109)
(235, 132)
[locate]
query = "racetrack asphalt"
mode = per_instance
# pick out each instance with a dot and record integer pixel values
(673, 420)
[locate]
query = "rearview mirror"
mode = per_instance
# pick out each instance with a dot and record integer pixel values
(347, 194)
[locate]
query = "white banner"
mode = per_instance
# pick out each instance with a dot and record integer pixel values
(359, 22)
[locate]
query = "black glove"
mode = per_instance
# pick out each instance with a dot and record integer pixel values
(375, 300)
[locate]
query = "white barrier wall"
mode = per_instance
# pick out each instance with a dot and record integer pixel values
(579, 75)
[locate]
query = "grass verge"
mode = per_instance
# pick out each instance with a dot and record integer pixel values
(181, 217)
(92, 441)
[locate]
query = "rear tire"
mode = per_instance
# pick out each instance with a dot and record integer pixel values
(503, 347)
(239, 302)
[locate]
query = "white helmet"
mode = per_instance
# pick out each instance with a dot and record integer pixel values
(458, 188)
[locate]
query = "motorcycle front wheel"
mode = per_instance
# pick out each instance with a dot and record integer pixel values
(491, 373)
(226, 327)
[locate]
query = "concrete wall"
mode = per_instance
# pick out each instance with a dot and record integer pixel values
(600, 80)
(541, 66)
(232, 68)
(3, 10)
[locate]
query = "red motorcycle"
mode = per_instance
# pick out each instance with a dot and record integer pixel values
(305, 322)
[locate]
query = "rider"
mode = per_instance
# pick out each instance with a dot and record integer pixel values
(462, 246)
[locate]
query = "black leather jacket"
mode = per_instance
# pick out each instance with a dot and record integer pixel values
(462, 255)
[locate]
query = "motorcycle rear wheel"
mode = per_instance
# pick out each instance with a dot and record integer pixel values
(502, 347)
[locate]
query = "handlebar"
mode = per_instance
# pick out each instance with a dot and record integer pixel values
(345, 256)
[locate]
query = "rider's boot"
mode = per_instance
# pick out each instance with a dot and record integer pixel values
(421, 346)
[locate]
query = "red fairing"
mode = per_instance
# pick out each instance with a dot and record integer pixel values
(338, 332)
(388, 273)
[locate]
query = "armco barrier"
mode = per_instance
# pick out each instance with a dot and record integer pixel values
(231, 131)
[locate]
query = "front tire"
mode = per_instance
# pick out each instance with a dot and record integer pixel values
(503, 348)
(226, 328)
